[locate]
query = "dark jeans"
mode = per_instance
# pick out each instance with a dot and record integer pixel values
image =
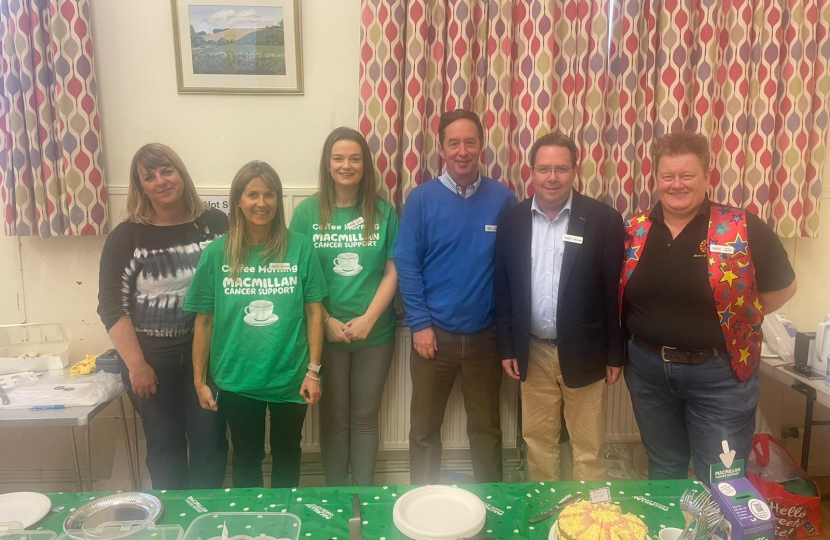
(686, 410)
(246, 418)
(474, 358)
(172, 418)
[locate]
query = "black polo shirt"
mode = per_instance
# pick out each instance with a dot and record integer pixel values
(668, 300)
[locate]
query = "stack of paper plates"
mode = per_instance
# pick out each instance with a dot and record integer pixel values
(439, 513)
(26, 508)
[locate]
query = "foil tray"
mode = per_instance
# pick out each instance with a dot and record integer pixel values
(128, 506)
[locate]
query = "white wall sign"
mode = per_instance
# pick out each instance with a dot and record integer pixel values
(217, 201)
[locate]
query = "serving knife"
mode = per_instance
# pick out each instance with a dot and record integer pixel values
(548, 513)
(355, 522)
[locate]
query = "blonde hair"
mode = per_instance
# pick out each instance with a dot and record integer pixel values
(152, 157)
(237, 249)
(367, 203)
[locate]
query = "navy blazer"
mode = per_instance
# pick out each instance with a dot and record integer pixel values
(587, 315)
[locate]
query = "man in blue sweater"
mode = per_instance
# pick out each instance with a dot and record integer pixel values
(445, 258)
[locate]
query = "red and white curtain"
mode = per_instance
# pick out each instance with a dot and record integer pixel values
(50, 132)
(751, 76)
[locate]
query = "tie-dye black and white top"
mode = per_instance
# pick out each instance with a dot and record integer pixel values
(145, 273)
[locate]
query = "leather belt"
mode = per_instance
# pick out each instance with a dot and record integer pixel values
(546, 341)
(676, 356)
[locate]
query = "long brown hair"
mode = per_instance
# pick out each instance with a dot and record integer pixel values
(153, 157)
(237, 249)
(367, 191)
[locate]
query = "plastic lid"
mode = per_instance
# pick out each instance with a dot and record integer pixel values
(13, 530)
(132, 530)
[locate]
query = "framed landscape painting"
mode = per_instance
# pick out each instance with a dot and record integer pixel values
(238, 46)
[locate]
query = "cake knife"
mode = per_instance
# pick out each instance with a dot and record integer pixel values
(548, 513)
(355, 522)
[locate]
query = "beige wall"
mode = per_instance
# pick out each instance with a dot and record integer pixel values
(56, 279)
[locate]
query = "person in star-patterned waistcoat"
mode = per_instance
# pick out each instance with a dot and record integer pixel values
(696, 283)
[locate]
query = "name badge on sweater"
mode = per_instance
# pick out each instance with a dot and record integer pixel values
(354, 224)
(279, 267)
(572, 239)
(715, 248)
(490, 228)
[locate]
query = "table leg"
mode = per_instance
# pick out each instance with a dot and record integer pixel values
(78, 485)
(89, 456)
(127, 443)
(135, 449)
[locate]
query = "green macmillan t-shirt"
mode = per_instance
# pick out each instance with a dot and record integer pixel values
(353, 269)
(259, 347)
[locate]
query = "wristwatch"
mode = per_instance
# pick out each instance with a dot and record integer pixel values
(315, 367)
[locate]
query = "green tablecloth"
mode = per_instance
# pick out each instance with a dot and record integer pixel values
(325, 511)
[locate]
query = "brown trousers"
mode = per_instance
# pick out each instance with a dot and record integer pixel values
(475, 358)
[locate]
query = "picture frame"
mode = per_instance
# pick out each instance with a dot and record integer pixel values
(238, 46)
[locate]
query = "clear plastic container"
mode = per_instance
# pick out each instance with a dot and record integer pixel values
(244, 526)
(126, 530)
(33, 347)
(14, 531)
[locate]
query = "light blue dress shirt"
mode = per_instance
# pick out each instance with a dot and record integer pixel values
(455, 188)
(547, 250)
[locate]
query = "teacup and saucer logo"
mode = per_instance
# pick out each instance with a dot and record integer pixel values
(260, 313)
(347, 264)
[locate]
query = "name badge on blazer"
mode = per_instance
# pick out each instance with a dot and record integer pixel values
(572, 239)
(490, 228)
(715, 248)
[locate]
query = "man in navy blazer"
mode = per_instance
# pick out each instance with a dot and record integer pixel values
(558, 261)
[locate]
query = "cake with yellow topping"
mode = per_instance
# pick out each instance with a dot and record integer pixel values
(586, 521)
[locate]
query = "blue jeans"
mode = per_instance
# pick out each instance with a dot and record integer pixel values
(686, 410)
(172, 418)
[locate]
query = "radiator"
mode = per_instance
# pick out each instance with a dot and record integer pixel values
(394, 409)
(620, 425)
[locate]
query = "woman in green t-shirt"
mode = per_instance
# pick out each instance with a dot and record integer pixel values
(354, 234)
(257, 293)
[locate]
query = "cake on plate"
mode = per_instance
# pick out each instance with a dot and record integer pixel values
(586, 521)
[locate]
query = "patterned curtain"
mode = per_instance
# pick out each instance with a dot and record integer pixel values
(50, 132)
(752, 75)
(524, 67)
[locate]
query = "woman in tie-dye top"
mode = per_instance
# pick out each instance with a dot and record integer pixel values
(147, 264)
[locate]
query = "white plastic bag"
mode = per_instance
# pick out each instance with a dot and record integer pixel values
(779, 333)
(78, 391)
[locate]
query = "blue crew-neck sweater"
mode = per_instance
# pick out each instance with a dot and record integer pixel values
(445, 254)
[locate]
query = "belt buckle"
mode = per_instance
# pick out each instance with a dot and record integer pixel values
(663, 352)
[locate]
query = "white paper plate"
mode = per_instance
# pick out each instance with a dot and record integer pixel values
(438, 513)
(553, 534)
(25, 507)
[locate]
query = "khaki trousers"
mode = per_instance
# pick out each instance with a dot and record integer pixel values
(543, 395)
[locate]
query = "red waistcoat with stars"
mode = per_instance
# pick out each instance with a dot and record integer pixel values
(731, 276)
